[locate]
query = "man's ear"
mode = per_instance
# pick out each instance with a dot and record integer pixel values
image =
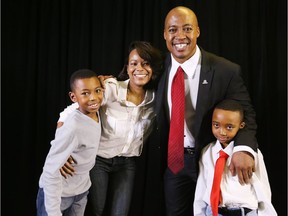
(198, 32)
(73, 96)
(242, 125)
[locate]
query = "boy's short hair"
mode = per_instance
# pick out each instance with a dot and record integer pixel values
(81, 74)
(231, 105)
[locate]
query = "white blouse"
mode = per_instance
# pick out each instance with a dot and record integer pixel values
(125, 126)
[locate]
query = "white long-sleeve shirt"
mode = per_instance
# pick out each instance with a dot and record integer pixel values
(78, 137)
(256, 195)
(125, 126)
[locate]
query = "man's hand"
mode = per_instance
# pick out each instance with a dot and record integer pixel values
(242, 164)
(68, 168)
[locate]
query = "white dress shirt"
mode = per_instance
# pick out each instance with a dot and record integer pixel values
(256, 195)
(191, 68)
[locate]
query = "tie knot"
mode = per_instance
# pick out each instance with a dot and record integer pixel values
(180, 69)
(222, 154)
(179, 79)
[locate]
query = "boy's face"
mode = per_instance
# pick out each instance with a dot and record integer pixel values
(225, 125)
(89, 95)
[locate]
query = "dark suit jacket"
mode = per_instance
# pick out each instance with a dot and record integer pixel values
(219, 79)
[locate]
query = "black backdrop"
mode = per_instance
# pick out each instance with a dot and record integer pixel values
(44, 41)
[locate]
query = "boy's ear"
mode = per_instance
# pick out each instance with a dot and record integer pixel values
(242, 125)
(73, 97)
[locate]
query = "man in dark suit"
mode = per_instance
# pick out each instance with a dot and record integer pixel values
(209, 79)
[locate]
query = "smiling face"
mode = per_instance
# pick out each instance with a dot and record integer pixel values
(225, 125)
(181, 32)
(88, 93)
(139, 70)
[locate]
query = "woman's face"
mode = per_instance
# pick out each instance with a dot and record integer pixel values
(139, 70)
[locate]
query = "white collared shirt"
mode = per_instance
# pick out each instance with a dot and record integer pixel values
(256, 195)
(191, 68)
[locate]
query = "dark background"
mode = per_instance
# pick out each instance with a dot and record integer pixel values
(44, 41)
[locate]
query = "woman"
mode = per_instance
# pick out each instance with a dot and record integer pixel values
(127, 116)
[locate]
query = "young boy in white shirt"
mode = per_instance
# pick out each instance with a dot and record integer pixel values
(236, 199)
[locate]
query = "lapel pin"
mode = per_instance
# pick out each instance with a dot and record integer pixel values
(204, 82)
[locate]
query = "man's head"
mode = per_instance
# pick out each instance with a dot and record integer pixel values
(181, 31)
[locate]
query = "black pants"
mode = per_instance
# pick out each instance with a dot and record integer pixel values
(180, 188)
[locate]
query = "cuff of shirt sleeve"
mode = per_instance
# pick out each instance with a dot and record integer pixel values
(244, 148)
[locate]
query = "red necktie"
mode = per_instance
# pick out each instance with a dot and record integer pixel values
(176, 133)
(215, 192)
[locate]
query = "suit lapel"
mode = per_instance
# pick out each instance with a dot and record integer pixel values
(205, 82)
(161, 94)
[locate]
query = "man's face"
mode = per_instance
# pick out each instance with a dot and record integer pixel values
(181, 32)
